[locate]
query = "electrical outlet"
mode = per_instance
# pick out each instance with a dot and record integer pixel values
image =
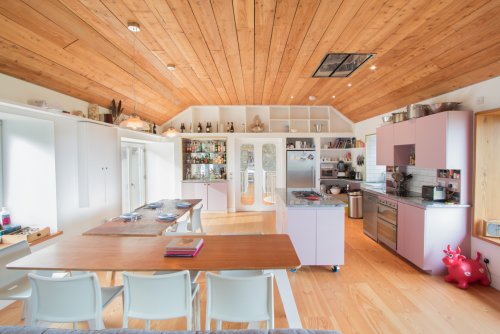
(480, 100)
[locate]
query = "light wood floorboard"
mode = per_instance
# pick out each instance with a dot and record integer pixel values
(375, 292)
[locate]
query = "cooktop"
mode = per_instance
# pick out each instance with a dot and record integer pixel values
(304, 193)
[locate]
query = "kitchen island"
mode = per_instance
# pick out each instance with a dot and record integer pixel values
(315, 226)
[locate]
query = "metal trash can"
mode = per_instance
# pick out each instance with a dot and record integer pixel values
(355, 204)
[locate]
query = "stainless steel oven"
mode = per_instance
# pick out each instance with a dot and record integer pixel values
(387, 222)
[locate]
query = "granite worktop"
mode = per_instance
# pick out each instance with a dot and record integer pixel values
(204, 181)
(322, 202)
(415, 199)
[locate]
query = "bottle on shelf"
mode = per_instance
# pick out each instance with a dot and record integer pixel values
(231, 128)
(199, 128)
(208, 128)
(183, 128)
(228, 127)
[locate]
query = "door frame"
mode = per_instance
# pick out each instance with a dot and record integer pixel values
(258, 172)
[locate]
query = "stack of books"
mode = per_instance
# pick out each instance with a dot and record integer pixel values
(185, 247)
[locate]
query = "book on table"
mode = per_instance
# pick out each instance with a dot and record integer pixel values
(185, 246)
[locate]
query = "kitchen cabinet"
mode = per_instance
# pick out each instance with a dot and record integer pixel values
(385, 145)
(411, 233)
(444, 140)
(213, 195)
(317, 234)
(98, 167)
(405, 132)
(424, 233)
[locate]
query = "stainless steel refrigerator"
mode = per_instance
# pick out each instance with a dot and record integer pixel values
(300, 169)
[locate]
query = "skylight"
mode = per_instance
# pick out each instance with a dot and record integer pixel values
(340, 65)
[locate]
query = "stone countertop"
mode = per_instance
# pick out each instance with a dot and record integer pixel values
(415, 201)
(204, 181)
(323, 202)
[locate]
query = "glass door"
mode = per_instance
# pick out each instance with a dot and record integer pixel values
(133, 176)
(256, 165)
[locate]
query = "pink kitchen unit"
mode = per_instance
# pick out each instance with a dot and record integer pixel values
(213, 194)
(316, 229)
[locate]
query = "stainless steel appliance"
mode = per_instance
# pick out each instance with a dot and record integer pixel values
(328, 171)
(342, 169)
(355, 203)
(387, 223)
(370, 209)
(434, 193)
(300, 169)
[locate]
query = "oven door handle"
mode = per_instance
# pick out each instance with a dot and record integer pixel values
(385, 220)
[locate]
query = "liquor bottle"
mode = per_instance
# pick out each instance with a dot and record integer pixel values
(228, 127)
(231, 129)
(199, 128)
(183, 128)
(207, 128)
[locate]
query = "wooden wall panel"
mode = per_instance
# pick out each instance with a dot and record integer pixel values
(249, 51)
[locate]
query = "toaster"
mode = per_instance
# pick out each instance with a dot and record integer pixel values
(434, 193)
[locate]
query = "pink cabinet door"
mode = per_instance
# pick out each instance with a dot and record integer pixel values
(217, 196)
(302, 232)
(385, 145)
(411, 222)
(195, 190)
(431, 137)
(330, 237)
(404, 132)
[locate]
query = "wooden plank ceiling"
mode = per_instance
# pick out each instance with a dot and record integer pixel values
(249, 51)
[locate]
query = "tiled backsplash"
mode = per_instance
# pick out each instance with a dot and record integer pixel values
(421, 176)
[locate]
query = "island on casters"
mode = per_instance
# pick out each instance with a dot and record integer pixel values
(315, 226)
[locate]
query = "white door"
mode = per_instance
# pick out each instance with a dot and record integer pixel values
(133, 176)
(257, 166)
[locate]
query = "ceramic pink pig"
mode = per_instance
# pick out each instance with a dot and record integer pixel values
(463, 270)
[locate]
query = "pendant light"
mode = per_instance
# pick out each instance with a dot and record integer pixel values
(134, 122)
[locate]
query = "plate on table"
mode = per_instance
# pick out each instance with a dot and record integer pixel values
(154, 205)
(183, 204)
(167, 216)
(130, 216)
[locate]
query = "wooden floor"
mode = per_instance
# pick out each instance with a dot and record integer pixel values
(375, 292)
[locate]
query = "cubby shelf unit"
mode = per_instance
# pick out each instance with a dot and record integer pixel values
(276, 119)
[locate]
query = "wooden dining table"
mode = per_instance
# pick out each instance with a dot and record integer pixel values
(269, 252)
(148, 225)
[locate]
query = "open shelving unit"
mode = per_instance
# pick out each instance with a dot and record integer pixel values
(275, 118)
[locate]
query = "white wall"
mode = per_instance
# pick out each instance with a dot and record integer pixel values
(16, 90)
(160, 171)
(29, 171)
(478, 97)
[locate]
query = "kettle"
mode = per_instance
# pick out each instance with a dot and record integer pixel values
(359, 176)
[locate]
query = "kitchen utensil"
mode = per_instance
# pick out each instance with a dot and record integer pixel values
(317, 127)
(417, 110)
(444, 106)
(399, 116)
(335, 190)
(388, 119)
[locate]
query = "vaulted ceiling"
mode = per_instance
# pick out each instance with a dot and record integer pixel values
(247, 52)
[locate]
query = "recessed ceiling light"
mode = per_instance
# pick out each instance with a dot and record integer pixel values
(312, 98)
(133, 26)
(171, 67)
(349, 84)
(333, 96)
(291, 97)
(373, 67)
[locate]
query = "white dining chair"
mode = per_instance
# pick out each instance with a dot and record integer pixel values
(14, 284)
(70, 299)
(239, 299)
(195, 223)
(161, 297)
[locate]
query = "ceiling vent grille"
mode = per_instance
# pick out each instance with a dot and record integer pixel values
(340, 65)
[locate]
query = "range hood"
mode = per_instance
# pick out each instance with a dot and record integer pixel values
(340, 65)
